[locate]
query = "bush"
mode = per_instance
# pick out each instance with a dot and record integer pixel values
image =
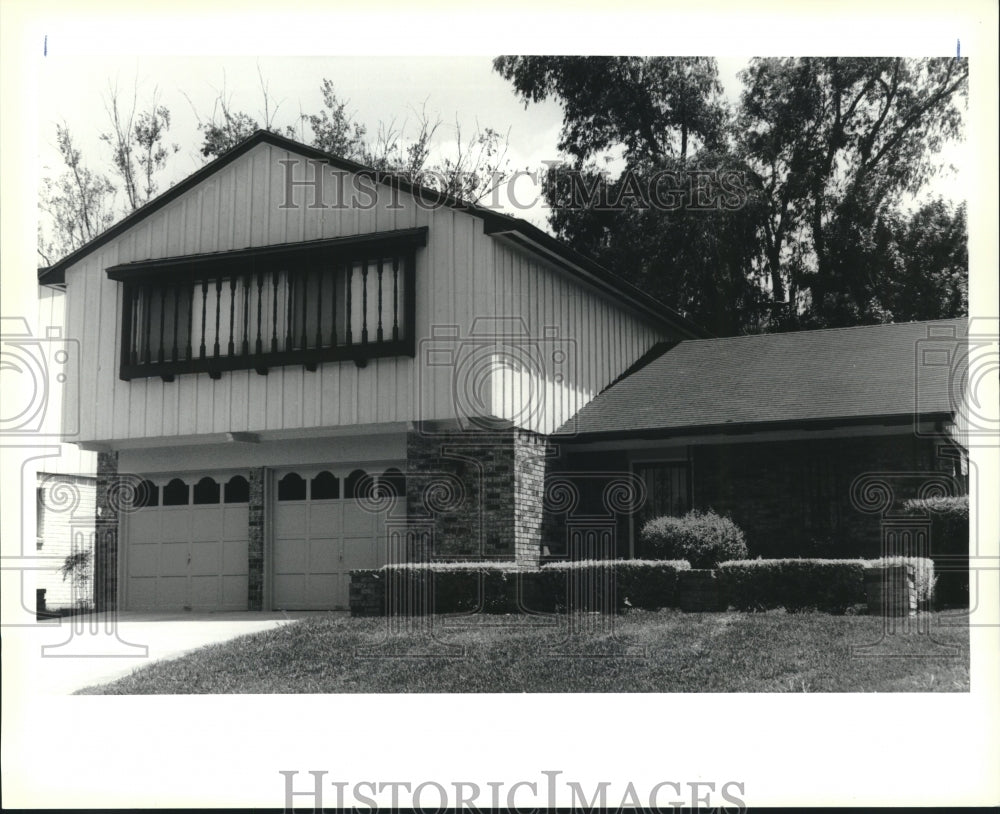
(503, 587)
(795, 584)
(704, 539)
(949, 545)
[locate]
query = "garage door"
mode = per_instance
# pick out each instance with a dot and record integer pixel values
(187, 546)
(326, 525)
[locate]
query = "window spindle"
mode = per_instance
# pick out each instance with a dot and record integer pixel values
(232, 313)
(188, 350)
(204, 301)
(260, 302)
(378, 333)
(148, 300)
(289, 294)
(395, 298)
(177, 310)
(319, 309)
(350, 317)
(246, 313)
(162, 291)
(364, 302)
(218, 303)
(274, 312)
(305, 308)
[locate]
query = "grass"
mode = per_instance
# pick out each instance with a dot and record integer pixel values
(710, 652)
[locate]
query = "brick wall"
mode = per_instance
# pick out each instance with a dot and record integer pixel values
(66, 514)
(479, 493)
(108, 502)
(794, 498)
(255, 538)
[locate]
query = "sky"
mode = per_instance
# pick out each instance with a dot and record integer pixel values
(464, 90)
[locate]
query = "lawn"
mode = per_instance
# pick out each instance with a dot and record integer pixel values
(664, 651)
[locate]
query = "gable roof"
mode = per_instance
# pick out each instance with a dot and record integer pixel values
(746, 383)
(496, 224)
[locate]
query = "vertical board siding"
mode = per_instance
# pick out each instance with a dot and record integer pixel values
(462, 274)
(599, 337)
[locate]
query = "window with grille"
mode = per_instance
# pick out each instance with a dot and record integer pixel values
(330, 300)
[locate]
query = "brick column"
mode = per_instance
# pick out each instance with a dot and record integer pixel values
(482, 492)
(531, 457)
(255, 548)
(106, 532)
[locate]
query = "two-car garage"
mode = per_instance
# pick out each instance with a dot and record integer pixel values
(187, 538)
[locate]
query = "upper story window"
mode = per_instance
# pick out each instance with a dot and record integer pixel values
(326, 300)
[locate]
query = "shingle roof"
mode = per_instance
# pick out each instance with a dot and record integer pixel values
(848, 374)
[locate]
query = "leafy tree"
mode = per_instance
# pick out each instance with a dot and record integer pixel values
(688, 236)
(651, 106)
(887, 266)
(668, 117)
(832, 139)
(829, 147)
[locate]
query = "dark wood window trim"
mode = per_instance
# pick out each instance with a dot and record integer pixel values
(334, 300)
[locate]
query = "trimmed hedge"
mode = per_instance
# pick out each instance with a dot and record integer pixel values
(797, 584)
(704, 539)
(416, 589)
(949, 518)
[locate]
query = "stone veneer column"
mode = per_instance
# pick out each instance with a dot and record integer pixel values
(255, 547)
(108, 496)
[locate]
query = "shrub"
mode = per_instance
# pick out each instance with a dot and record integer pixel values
(795, 584)
(704, 539)
(503, 587)
(949, 544)
(924, 577)
(649, 584)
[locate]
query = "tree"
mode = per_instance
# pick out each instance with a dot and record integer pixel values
(828, 149)
(471, 172)
(225, 128)
(668, 116)
(652, 106)
(80, 202)
(684, 234)
(887, 266)
(830, 139)
(138, 151)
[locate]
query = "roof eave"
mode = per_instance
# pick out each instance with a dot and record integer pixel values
(749, 428)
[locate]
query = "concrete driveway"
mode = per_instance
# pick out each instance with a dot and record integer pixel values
(64, 655)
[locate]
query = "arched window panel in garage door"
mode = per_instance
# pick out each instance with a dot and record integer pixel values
(319, 538)
(236, 490)
(325, 486)
(176, 493)
(206, 491)
(292, 486)
(191, 551)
